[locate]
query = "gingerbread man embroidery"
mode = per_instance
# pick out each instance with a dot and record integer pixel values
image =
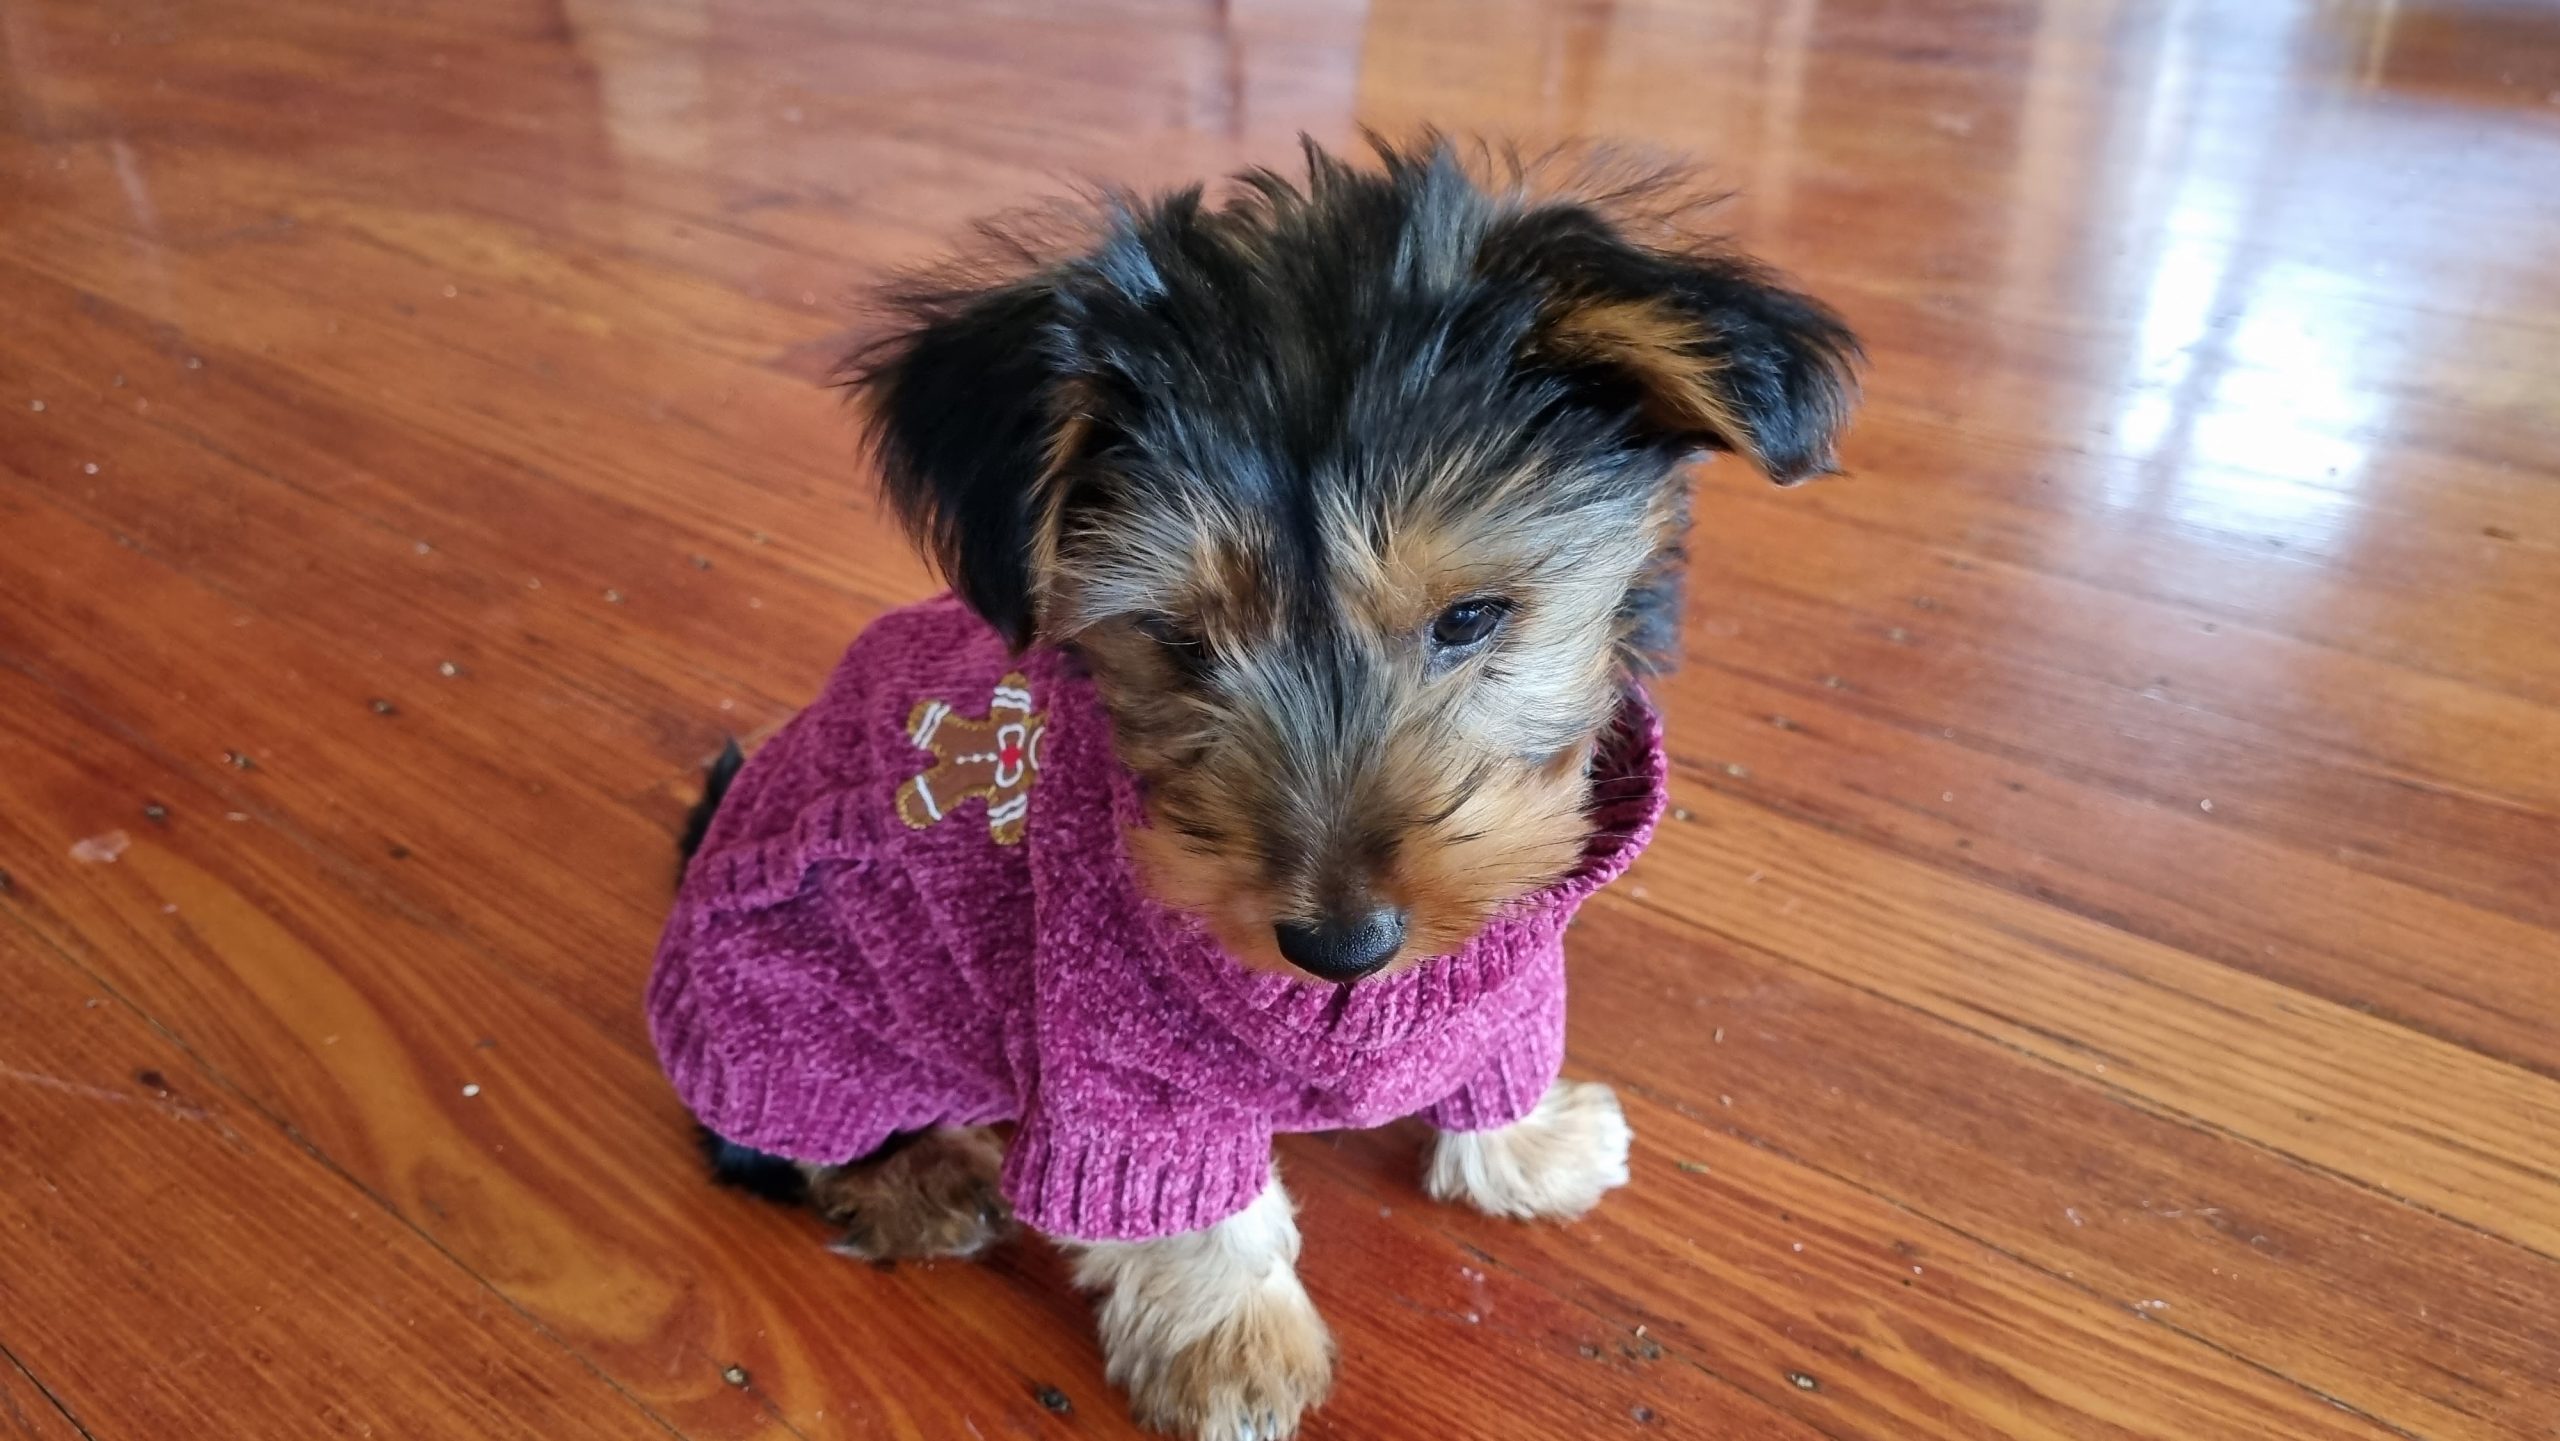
(994, 760)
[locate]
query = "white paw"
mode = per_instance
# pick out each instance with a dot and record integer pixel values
(1553, 1164)
(1249, 1378)
(1210, 1332)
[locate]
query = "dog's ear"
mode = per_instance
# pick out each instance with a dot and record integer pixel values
(1706, 348)
(963, 402)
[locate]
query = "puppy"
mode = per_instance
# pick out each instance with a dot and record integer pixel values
(1308, 547)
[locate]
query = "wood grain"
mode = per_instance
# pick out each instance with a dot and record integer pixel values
(2113, 911)
(252, 1286)
(27, 1411)
(2448, 1336)
(2425, 1121)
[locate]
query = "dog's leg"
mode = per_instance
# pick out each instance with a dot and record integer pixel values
(1209, 1332)
(928, 1194)
(1552, 1164)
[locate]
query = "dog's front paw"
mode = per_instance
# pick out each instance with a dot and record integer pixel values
(1249, 1377)
(1553, 1164)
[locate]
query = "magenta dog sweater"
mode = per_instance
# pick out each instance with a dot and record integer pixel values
(914, 909)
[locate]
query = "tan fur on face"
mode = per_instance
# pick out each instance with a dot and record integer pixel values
(1501, 744)
(1514, 833)
(1468, 781)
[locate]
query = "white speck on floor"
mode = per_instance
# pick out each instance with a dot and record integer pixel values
(101, 849)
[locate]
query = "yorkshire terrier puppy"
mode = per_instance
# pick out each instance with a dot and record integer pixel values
(1309, 545)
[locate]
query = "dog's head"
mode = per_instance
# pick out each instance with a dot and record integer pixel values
(1362, 497)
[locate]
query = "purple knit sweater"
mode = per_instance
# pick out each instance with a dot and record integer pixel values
(914, 909)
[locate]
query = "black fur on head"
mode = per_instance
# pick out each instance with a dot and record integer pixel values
(1362, 494)
(1578, 278)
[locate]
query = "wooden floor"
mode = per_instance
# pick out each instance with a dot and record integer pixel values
(2100, 980)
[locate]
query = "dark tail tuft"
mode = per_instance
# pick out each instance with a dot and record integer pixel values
(715, 786)
(751, 1170)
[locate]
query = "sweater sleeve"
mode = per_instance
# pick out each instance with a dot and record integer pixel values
(1506, 1086)
(1080, 1178)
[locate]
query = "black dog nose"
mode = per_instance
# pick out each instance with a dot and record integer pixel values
(1342, 948)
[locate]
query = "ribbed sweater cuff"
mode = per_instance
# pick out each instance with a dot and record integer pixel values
(1129, 1188)
(1504, 1092)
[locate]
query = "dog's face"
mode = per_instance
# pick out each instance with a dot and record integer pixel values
(1362, 502)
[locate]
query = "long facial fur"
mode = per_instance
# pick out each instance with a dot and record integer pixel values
(1241, 456)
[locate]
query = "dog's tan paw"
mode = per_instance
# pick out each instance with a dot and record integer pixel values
(934, 1196)
(1553, 1164)
(1209, 1331)
(1249, 1378)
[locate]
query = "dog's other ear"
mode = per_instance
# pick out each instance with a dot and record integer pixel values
(1708, 348)
(962, 408)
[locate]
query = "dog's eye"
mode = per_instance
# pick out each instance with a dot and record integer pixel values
(1469, 622)
(1182, 645)
(1165, 630)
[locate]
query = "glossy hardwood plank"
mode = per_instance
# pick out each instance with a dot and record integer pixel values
(2435, 1329)
(509, 551)
(284, 1275)
(1903, 1327)
(2054, 795)
(27, 1411)
(379, 788)
(2426, 1121)
(2443, 729)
